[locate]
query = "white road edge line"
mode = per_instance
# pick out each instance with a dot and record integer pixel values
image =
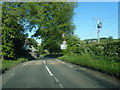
(26, 63)
(64, 63)
(11, 75)
(8, 78)
(60, 61)
(49, 71)
(4, 83)
(70, 66)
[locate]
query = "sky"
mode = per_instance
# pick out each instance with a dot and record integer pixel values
(86, 18)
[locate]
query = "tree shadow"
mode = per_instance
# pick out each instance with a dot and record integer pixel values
(53, 55)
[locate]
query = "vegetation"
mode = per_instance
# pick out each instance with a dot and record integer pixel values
(56, 20)
(7, 64)
(51, 19)
(33, 42)
(102, 56)
(14, 18)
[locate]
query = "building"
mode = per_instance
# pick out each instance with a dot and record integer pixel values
(30, 49)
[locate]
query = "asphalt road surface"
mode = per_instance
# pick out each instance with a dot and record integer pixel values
(53, 73)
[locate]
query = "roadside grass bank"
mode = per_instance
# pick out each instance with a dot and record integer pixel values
(108, 67)
(7, 64)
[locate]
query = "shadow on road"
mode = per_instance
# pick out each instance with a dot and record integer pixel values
(53, 56)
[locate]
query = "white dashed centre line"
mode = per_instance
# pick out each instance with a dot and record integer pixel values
(60, 85)
(44, 61)
(54, 76)
(58, 82)
(49, 71)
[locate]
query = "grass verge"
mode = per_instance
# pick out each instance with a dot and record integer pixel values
(108, 67)
(7, 64)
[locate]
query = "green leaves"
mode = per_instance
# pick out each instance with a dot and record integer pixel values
(12, 31)
(55, 20)
(52, 20)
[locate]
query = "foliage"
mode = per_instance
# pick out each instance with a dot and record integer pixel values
(17, 18)
(7, 64)
(52, 19)
(99, 56)
(41, 49)
(108, 51)
(33, 42)
(75, 45)
(56, 19)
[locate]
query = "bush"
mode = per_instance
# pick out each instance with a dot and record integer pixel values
(109, 51)
(7, 64)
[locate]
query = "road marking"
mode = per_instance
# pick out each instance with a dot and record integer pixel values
(4, 83)
(11, 75)
(61, 85)
(54, 77)
(49, 71)
(58, 82)
(8, 78)
(26, 63)
(70, 66)
(44, 61)
(60, 61)
(64, 63)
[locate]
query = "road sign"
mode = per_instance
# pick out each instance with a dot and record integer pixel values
(64, 45)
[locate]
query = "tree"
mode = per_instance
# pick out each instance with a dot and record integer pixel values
(33, 42)
(17, 18)
(11, 32)
(52, 20)
(75, 45)
(56, 19)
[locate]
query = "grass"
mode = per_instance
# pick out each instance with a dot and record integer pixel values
(109, 67)
(7, 64)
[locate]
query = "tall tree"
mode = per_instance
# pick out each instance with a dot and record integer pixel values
(17, 18)
(12, 31)
(52, 19)
(56, 19)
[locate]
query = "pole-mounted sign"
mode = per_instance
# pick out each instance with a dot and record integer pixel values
(64, 44)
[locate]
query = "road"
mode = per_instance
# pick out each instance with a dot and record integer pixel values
(53, 73)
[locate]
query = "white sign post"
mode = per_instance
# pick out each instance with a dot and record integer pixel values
(64, 45)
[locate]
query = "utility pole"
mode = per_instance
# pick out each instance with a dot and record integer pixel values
(99, 25)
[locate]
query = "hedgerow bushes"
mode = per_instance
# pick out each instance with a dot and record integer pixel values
(99, 56)
(108, 51)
